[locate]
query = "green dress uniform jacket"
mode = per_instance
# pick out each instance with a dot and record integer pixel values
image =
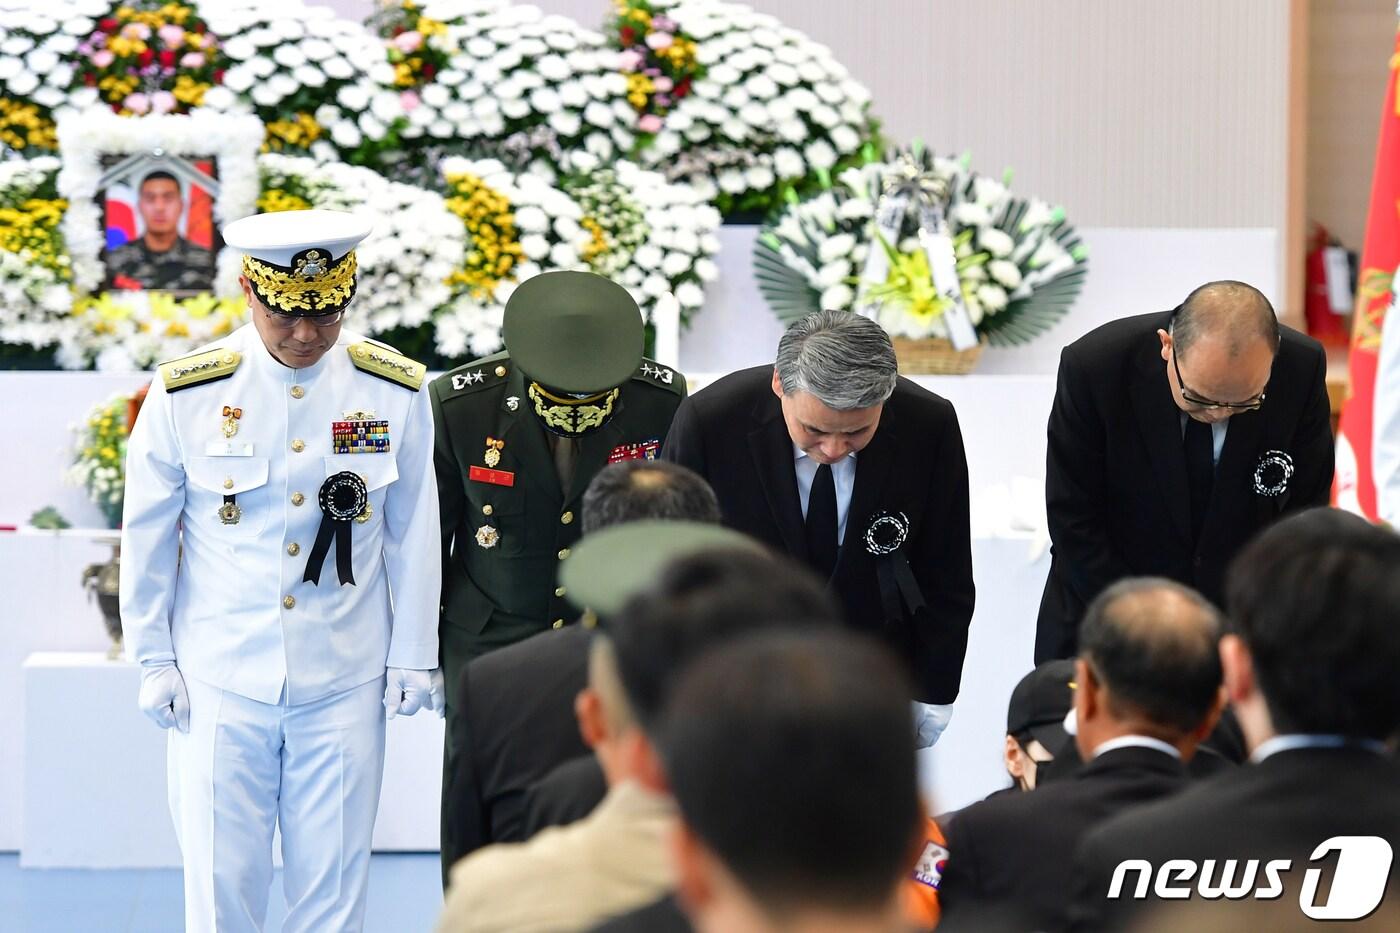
(507, 525)
(505, 532)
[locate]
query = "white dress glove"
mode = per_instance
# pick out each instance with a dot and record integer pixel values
(407, 691)
(929, 722)
(163, 696)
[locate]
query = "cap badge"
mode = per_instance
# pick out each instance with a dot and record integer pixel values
(311, 265)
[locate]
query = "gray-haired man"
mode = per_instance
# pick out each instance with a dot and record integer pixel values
(830, 456)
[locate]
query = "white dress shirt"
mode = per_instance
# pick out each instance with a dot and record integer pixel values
(1291, 742)
(226, 602)
(1138, 741)
(843, 474)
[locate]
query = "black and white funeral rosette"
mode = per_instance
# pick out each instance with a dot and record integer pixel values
(884, 539)
(1272, 473)
(343, 498)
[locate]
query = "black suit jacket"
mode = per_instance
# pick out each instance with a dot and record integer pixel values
(1283, 807)
(1011, 853)
(512, 724)
(565, 795)
(733, 434)
(1115, 478)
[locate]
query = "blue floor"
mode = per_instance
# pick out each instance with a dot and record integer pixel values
(405, 893)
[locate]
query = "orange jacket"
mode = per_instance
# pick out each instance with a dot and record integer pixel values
(921, 890)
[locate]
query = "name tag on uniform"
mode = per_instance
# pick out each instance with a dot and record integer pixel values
(494, 477)
(227, 449)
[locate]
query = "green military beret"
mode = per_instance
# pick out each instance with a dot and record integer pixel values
(574, 331)
(610, 566)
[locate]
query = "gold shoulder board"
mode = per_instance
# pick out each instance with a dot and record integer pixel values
(386, 364)
(203, 367)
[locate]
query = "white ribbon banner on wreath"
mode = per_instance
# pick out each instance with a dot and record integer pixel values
(910, 186)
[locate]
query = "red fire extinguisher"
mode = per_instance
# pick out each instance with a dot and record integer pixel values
(1330, 288)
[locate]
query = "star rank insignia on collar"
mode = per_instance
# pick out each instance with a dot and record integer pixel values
(462, 380)
(659, 373)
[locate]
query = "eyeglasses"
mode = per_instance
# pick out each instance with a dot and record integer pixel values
(289, 321)
(1191, 398)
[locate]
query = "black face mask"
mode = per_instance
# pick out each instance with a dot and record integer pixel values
(572, 416)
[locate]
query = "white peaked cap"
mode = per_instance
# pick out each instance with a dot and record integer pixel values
(278, 237)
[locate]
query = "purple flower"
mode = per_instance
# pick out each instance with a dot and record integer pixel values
(650, 123)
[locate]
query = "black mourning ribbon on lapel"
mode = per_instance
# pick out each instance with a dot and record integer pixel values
(899, 590)
(342, 497)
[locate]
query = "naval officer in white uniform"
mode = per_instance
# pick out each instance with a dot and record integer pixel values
(280, 553)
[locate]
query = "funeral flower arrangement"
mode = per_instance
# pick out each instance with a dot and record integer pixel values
(766, 110)
(319, 82)
(536, 92)
(38, 48)
(99, 462)
(656, 239)
(1019, 264)
(35, 271)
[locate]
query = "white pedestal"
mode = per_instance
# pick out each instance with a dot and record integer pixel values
(93, 768)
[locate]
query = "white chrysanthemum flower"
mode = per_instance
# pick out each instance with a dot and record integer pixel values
(997, 242)
(837, 298)
(1007, 274)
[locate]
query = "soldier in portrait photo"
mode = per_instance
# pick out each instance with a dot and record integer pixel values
(160, 257)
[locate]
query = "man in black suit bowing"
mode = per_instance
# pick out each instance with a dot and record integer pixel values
(1310, 656)
(831, 457)
(1147, 690)
(1173, 439)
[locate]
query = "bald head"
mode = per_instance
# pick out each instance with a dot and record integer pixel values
(1233, 314)
(1152, 643)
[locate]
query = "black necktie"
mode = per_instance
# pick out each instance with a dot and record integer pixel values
(1200, 471)
(821, 522)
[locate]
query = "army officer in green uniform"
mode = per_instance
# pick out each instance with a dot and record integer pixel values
(519, 437)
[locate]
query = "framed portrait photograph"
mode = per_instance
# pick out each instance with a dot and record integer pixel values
(158, 222)
(148, 195)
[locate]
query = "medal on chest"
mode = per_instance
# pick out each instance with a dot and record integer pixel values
(230, 423)
(359, 432)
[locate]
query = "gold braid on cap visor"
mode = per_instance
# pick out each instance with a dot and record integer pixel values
(315, 286)
(572, 417)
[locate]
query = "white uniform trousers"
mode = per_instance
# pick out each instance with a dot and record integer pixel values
(314, 769)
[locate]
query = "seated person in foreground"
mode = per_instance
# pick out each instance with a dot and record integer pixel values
(572, 877)
(1148, 691)
(515, 720)
(791, 759)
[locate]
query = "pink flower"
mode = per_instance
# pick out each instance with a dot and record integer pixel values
(137, 103)
(171, 34)
(630, 60)
(410, 41)
(192, 60)
(410, 100)
(663, 84)
(650, 123)
(163, 102)
(136, 31)
(659, 40)
(103, 58)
